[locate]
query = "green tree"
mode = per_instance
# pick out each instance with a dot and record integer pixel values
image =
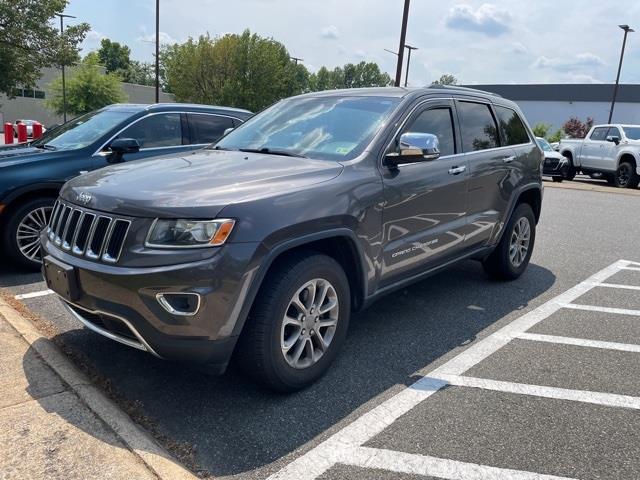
(29, 41)
(114, 56)
(541, 129)
(556, 137)
(446, 79)
(87, 88)
(363, 74)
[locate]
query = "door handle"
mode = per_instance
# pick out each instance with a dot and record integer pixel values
(509, 159)
(457, 170)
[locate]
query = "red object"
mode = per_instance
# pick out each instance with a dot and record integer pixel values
(22, 133)
(8, 133)
(37, 130)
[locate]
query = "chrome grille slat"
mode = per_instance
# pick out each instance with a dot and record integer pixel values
(86, 233)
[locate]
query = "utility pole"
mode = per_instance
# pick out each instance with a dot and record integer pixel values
(406, 76)
(626, 29)
(157, 51)
(403, 35)
(62, 60)
(296, 59)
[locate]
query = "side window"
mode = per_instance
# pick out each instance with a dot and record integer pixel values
(512, 128)
(439, 122)
(599, 134)
(478, 128)
(613, 132)
(162, 130)
(207, 128)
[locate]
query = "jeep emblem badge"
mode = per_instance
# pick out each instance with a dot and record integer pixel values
(84, 198)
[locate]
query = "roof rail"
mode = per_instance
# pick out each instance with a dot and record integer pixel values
(464, 89)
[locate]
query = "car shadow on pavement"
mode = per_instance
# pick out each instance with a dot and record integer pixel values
(11, 276)
(232, 426)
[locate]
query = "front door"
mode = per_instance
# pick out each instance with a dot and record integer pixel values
(424, 216)
(592, 149)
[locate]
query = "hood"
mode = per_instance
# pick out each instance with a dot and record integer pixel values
(13, 154)
(195, 185)
(554, 154)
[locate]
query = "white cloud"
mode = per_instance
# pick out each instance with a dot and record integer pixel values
(330, 32)
(488, 19)
(581, 60)
(151, 38)
(518, 48)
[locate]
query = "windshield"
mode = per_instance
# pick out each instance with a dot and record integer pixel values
(544, 145)
(84, 130)
(324, 128)
(632, 133)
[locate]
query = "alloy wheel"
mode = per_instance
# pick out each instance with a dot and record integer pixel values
(28, 232)
(309, 323)
(519, 244)
(624, 175)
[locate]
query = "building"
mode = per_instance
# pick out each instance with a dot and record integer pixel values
(29, 103)
(556, 103)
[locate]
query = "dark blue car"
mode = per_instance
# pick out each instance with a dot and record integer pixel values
(31, 175)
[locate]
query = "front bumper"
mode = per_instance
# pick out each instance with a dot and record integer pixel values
(122, 303)
(554, 167)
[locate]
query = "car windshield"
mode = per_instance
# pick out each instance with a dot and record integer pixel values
(325, 128)
(84, 130)
(544, 145)
(632, 133)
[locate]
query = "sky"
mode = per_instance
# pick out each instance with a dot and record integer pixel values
(480, 42)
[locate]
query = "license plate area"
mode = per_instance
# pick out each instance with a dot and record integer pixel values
(61, 278)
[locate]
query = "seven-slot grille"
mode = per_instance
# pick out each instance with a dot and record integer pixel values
(85, 233)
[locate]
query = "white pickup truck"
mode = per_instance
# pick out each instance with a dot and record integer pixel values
(611, 152)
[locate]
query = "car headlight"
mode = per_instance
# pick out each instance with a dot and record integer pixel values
(188, 233)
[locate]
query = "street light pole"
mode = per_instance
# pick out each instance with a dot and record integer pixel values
(64, 87)
(157, 51)
(406, 76)
(626, 29)
(403, 35)
(296, 59)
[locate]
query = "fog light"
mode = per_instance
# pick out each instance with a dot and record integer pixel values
(179, 303)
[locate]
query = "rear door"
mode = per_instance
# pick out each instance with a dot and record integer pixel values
(424, 216)
(490, 169)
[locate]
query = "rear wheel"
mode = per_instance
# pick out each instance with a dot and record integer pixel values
(511, 256)
(626, 176)
(557, 179)
(21, 237)
(297, 324)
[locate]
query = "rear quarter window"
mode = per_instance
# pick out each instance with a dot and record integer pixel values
(208, 128)
(512, 129)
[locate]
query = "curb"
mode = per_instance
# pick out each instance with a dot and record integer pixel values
(139, 441)
(591, 187)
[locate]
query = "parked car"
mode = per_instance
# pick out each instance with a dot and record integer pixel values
(31, 175)
(264, 243)
(29, 124)
(555, 164)
(608, 151)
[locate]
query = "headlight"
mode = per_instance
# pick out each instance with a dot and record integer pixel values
(188, 233)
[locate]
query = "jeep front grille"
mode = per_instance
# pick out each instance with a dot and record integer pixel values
(85, 233)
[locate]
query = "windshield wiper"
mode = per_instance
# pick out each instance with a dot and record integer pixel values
(271, 151)
(46, 146)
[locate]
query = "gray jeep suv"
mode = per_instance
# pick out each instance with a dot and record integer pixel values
(260, 246)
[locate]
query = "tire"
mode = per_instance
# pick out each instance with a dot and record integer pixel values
(626, 176)
(500, 264)
(28, 216)
(557, 179)
(261, 348)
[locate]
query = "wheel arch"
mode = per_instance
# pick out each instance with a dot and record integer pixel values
(627, 157)
(29, 192)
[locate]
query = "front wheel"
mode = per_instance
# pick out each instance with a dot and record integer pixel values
(21, 237)
(625, 176)
(511, 256)
(297, 323)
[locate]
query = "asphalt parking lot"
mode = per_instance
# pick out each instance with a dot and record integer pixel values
(455, 377)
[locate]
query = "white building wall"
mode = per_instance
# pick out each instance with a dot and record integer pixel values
(557, 113)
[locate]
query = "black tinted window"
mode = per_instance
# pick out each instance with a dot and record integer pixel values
(162, 130)
(478, 128)
(599, 133)
(207, 128)
(439, 122)
(512, 129)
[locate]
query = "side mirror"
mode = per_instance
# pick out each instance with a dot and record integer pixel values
(120, 146)
(414, 147)
(613, 138)
(227, 131)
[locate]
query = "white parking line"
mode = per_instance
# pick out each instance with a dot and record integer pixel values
(618, 285)
(41, 293)
(584, 396)
(581, 342)
(413, 464)
(636, 269)
(596, 308)
(350, 438)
